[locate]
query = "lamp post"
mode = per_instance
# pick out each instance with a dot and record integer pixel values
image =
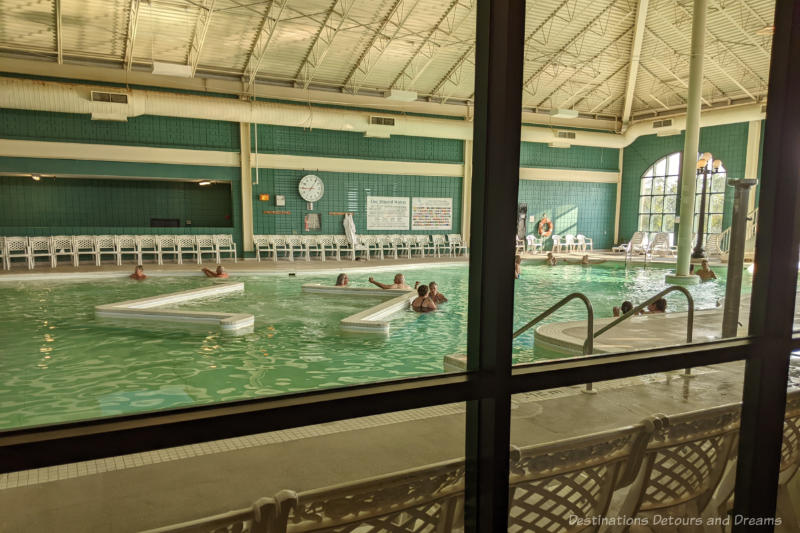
(703, 169)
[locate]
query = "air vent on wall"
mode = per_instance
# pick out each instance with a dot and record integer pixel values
(565, 134)
(114, 98)
(662, 123)
(381, 121)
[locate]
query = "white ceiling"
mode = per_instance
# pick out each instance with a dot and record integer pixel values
(578, 52)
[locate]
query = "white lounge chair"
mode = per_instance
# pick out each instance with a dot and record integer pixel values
(712, 245)
(39, 247)
(635, 245)
(659, 245)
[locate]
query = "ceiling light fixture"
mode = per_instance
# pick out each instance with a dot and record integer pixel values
(36, 177)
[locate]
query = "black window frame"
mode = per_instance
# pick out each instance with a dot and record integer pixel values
(490, 381)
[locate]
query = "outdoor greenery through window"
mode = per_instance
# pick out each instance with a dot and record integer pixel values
(715, 200)
(658, 202)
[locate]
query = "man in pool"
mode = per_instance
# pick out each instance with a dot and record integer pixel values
(704, 272)
(138, 273)
(659, 306)
(342, 280)
(551, 259)
(423, 302)
(434, 293)
(399, 283)
(220, 272)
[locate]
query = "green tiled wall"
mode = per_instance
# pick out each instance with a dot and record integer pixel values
(586, 208)
(146, 130)
(59, 203)
(728, 143)
(344, 192)
(539, 155)
(328, 143)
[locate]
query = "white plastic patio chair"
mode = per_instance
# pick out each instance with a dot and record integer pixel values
(343, 246)
(106, 245)
(519, 245)
(457, 244)
(168, 246)
(425, 244)
(17, 248)
(205, 245)
(440, 245)
(147, 244)
(3, 255)
(63, 245)
(187, 245)
(84, 245)
(311, 242)
(557, 243)
(401, 245)
(386, 244)
(534, 244)
(371, 243)
(225, 245)
(39, 247)
(262, 243)
(294, 244)
(126, 245)
(279, 244)
(584, 243)
(327, 246)
(569, 242)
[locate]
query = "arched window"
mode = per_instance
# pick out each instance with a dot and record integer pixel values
(658, 200)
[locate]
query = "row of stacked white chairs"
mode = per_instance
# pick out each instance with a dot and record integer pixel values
(367, 246)
(73, 248)
(682, 466)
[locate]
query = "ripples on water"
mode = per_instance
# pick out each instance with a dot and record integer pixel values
(59, 364)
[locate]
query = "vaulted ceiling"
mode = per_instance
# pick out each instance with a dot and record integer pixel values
(612, 58)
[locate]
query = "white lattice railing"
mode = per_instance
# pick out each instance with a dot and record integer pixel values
(750, 234)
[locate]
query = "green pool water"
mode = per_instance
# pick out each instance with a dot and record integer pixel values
(58, 363)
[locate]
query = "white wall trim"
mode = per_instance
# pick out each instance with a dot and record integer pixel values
(560, 174)
(359, 166)
(108, 152)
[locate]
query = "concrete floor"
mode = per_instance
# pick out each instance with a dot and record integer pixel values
(147, 496)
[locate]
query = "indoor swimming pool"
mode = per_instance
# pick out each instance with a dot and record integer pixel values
(59, 363)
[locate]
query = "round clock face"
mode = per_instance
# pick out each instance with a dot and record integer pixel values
(311, 188)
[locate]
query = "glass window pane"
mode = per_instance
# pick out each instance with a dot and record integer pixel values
(649, 173)
(714, 224)
(672, 185)
(718, 183)
(697, 204)
(658, 204)
(647, 185)
(717, 203)
(644, 222)
(669, 204)
(658, 185)
(661, 167)
(674, 164)
(669, 223)
(644, 204)
(655, 223)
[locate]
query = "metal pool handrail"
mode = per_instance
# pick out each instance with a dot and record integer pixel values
(588, 345)
(690, 317)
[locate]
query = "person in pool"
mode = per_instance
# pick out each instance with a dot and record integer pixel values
(434, 294)
(659, 306)
(399, 283)
(585, 261)
(517, 266)
(342, 280)
(551, 259)
(622, 309)
(138, 273)
(423, 302)
(704, 272)
(219, 273)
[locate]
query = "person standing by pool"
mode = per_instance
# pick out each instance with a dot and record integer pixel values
(551, 259)
(138, 273)
(704, 272)
(434, 293)
(220, 272)
(399, 283)
(342, 280)
(517, 266)
(423, 302)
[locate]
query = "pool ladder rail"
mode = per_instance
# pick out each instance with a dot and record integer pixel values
(588, 345)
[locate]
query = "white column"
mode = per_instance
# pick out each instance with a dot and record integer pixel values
(247, 186)
(751, 161)
(466, 192)
(619, 198)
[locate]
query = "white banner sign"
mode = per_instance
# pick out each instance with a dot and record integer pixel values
(432, 213)
(387, 212)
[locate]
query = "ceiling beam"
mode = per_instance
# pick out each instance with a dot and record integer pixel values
(430, 46)
(206, 11)
(266, 31)
(334, 18)
(636, 52)
(657, 79)
(59, 47)
(747, 35)
(591, 86)
(381, 40)
(454, 74)
(133, 22)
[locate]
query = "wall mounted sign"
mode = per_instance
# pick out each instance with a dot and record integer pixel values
(277, 212)
(432, 214)
(387, 212)
(280, 200)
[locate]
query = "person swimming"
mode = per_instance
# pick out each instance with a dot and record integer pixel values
(435, 295)
(551, 259)
(622, 309)
(342, 280)
(659, 306)
(219, 273)
(704, 272)
(423, 302)
(138, 273)
(399, 283)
